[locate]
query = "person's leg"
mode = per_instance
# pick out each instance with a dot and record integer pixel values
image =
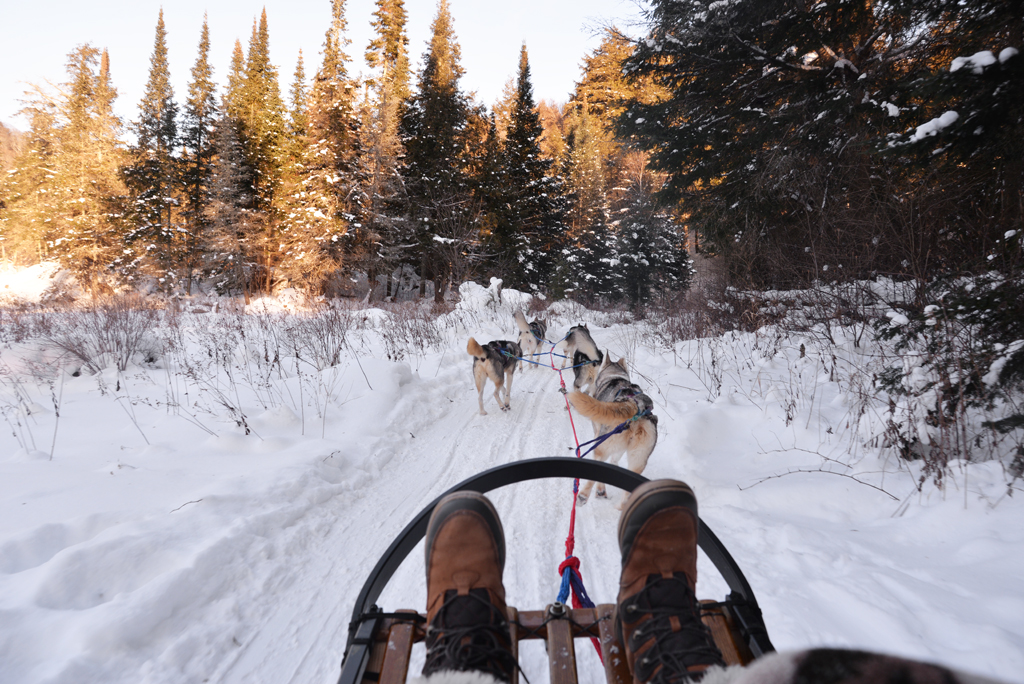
(657, 613)
(467, 619)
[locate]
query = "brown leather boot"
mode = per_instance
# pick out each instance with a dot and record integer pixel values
(467, 620)
(657, 613)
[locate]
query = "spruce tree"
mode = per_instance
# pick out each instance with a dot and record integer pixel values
(230, 260)
(433, 133)
(586, 270)
(528, 234)
(388, 51)
(648, 245)
(318, 210)
(153, 174)
(233, 96)
(199, 121)
(381, 227)
(771, 126)
(63, 199)
(262, 116)
(298, 118)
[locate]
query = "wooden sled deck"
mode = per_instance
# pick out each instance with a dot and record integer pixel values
(559, 627)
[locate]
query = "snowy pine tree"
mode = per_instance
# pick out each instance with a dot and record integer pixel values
(382, 229)
(433, 132)
(153, 174)
(585, 268)
(317, 212)
(230, 259)
(197, 144)
(63, 198)
(528, 234)
(649, 247)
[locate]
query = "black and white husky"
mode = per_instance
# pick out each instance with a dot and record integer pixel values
(495, 360)
(613, 400)
(581, 349)
(531, 336)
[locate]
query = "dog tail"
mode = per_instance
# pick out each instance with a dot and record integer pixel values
(474, 349)
(605, 412)
(521, 322)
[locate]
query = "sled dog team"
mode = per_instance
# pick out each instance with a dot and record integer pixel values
(603, 391)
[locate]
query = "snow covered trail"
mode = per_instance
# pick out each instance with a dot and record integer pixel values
(438, 440)
(237, 558)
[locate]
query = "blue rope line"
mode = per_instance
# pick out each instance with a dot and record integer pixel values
(597, 441)
(577, 587)
(539, 363)
(563, 591)
(571, 580)
(561, 356)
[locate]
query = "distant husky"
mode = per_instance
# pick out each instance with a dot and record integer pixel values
(581, 349)
(495, 360)
(531, 336)
(613, 400)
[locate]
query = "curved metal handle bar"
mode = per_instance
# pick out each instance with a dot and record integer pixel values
(521, 471)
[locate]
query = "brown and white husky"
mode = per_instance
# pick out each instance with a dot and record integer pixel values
(495, 360)
(613, 400)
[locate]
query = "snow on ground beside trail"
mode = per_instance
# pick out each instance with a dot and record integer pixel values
(162, 543)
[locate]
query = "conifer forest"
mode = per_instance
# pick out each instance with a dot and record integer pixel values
(793, 142)
(789, 143)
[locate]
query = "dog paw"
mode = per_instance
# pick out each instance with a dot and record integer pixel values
(506, 407)
(483, 413)
(602, 494)
(581, 500)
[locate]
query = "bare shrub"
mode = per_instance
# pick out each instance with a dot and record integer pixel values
(538, 306)
(320, 335)
(16, 323)
(109, 331)
(410, 329)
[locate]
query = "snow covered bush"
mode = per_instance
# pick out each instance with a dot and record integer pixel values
(956, 387)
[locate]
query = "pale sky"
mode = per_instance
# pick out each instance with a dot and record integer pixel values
(36, 36)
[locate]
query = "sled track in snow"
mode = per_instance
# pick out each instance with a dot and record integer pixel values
(303, 619)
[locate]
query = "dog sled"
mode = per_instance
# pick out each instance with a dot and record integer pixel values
(380, 643)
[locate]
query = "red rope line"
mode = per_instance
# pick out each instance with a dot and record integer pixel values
(570, 541)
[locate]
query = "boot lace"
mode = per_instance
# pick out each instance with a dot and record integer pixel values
(470, 634)
(679, 644)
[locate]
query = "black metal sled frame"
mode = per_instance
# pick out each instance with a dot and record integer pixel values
(740, 605)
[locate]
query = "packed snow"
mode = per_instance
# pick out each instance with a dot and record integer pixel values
(209, 515)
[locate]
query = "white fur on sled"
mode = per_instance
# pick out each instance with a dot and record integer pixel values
(774, 668)
(452, 677)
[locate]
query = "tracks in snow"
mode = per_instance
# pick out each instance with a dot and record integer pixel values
(327, 555)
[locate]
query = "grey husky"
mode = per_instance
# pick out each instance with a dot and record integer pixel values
(613, 400)
(495, 360)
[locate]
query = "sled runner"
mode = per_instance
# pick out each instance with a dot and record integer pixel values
(380, 643)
